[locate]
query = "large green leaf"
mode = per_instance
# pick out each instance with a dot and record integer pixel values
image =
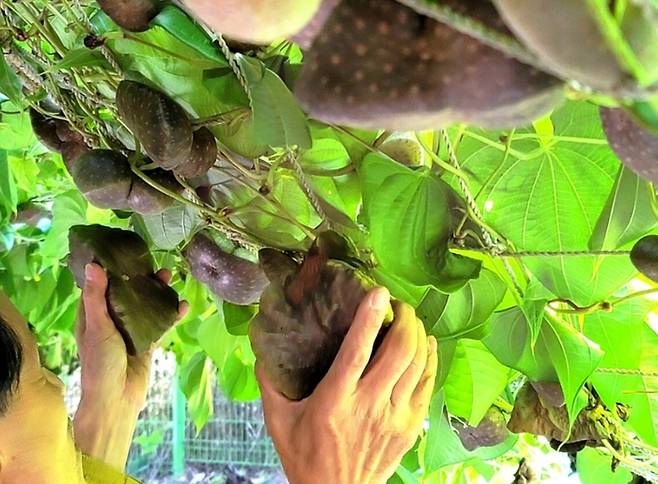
(232, 355)
(181, 26)
(196, 382)
(171, 227)
(546, 193)
(408, 215)
(559, 354)
(474, 382)
(629, 344)
(594, 468)
(627, 215)
(278, 119)
(69, 209)
(8, 195)
(10, 85)
(464, 313)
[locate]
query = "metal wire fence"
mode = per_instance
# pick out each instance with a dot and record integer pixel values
(166, 442)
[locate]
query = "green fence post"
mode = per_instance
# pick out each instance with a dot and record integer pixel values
(178, 434)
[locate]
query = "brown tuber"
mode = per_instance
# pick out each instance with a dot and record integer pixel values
(377, 64)
(304, 316)
(230, 277)
(636, 147)
(131, 15)
(142, 307)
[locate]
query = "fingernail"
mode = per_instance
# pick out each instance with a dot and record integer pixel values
(433, 343)
(89, 273)
(380, 299)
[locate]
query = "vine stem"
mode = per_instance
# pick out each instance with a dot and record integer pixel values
(146, 179)
(221, 118)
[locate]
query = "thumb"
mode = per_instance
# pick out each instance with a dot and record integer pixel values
(276, 407)
(97, 317)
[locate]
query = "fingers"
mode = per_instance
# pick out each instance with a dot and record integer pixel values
(183, 309)
(164, 275)
(408, 382)
(275, 405)
(354, 354)
(97, 318)
(422, 395)
(395, 354)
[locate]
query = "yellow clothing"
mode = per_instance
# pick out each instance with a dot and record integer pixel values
(96, 472)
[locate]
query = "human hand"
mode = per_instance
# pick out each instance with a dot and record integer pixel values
(114, 383)
(363, 417)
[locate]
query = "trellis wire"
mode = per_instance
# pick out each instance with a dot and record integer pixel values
(104, 50)
(626, 371)
(308, 191)
(492, 244)
(235, 67)
(555, 253)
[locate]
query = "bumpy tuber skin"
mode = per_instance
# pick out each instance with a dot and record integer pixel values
(304, 315)
(104, 178)
(202, 157)
(141, 305)
(593, 424)
(57, 135)
(255, 21)
(644, 256)
(131, 15)
(146, 200)
(379, 65)
(45, 130)
(636, 147)
(566, 37)
(160, 124)
(492, 430)
(117, 251)
(143, 308)
(230, 277)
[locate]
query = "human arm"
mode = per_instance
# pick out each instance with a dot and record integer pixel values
(114, 383)
(363, 417)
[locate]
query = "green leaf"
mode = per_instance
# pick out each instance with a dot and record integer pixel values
(69, 209)
(560, 353)
(594, 468)
(278, 119)
(237, 318)
(171, 227)
(196, 382)
(443, 447)
(627, 215)
(236, 378)
(10, 85)
(15, 129)
(82, 57)
(232, 355)
(181, 26)
(408, 215)
(550, 197)
(474, 382)
(464, 313)
(629, 344)
(8, 195)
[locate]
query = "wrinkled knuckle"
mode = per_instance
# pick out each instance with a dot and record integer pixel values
(356, 360)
